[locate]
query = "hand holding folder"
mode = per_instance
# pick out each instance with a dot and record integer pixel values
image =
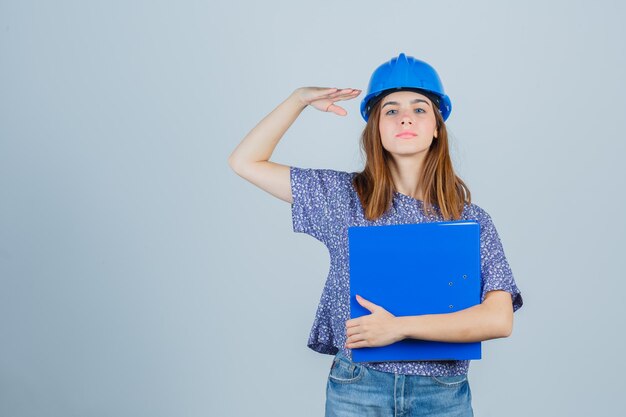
(414, 269)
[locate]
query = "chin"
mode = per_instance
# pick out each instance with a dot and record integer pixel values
(407, 151)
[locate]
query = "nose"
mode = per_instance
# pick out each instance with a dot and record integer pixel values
(406, 120)
(406, 117)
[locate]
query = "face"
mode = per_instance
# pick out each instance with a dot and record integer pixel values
(407, 123)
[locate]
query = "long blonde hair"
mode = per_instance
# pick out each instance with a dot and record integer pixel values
(441, 185)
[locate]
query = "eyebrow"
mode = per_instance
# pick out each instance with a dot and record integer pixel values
(416, 100)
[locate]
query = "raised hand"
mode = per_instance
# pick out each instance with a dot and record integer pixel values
(324, 99)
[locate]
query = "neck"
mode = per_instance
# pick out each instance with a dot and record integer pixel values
(405, 173)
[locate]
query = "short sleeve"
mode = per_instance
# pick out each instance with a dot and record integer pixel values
(495, 271)
(317, 196)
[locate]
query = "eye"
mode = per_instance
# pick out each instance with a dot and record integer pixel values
(418, 110)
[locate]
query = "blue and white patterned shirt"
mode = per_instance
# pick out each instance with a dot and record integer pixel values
(325, 204)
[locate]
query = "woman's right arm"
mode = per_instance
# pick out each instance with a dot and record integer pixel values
(250, 159)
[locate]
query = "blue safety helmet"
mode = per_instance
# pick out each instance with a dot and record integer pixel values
(405, 73)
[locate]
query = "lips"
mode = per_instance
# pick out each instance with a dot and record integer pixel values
(406, 135)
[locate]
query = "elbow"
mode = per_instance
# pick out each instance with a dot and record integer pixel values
(233, 164)
(505, 328)
(499, 313)
(239, 165)
(507, 332)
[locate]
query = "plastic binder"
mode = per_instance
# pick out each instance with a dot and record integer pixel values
(415, 269)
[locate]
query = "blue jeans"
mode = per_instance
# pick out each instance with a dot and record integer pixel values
(355, 390)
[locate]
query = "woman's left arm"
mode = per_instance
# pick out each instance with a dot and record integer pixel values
(491, 319)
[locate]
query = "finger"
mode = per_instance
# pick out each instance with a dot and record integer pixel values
(367, 303)
(354, 322)
(355, 338)
(341, 92)
(345, 96)
(337, 110)
(346, 91)
(323, 93)
(356, 345)
(349, 97)
(352, 331)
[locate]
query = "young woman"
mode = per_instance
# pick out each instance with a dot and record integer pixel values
(408, 178)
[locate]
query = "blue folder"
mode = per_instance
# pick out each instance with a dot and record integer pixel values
(415, 269)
